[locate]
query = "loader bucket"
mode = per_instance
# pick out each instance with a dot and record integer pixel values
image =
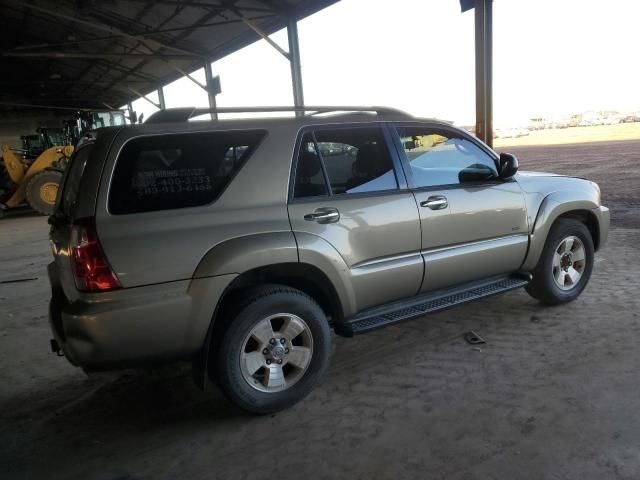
(12, 164)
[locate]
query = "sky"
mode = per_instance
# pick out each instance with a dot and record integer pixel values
(552, 58)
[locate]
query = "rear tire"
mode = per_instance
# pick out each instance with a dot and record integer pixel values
(42, 191)
(274, 351)
(565, 265)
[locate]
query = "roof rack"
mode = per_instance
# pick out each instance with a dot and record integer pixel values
(183, 114)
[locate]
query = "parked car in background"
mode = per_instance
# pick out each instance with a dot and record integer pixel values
(511, 132)
(612, 120)
(631, 119)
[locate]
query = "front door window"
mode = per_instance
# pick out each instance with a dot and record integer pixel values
(439, 158)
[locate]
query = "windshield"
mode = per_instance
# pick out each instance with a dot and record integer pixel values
(56, 137)
(71, 181)
(108, 119)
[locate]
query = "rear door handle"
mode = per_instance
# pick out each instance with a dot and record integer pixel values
(323, 215)
(435, 202)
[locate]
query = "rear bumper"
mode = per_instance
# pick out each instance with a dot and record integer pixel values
(135, 326)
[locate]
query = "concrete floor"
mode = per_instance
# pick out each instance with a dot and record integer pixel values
(553, 394)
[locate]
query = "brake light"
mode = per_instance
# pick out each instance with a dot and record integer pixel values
(91, 270)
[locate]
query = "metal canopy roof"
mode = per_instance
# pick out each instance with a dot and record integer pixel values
(88, 53)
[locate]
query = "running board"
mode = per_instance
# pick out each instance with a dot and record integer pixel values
(378, 317)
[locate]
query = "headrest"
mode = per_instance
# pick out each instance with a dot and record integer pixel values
(369, 162)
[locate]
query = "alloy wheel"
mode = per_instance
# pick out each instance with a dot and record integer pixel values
(569, 262)
(276, 353)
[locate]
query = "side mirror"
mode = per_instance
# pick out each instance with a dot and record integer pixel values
(476, 173)
(508, 165)
(409, 145)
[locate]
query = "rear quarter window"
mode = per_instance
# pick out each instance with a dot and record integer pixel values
(71, 182)
(178, 170)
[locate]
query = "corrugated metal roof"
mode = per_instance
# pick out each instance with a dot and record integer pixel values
(85, 53)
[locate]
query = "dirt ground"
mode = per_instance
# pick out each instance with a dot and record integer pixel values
(552, 395)
(561, 136)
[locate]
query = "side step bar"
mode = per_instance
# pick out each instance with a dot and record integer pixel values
(414, 307)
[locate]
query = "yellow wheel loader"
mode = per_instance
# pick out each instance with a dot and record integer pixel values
(36, 182)
(34, 173)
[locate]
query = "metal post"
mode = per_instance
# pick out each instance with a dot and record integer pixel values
(294, 60)
(208, 76)
(488, 70)
(161, 101)
(484, 70)
(131, 114)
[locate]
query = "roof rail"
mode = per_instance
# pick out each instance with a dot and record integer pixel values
(184, 114)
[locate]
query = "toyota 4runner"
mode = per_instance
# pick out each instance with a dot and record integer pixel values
(240, 244)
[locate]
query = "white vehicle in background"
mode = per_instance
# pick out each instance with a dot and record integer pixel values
(591, 118)
(562, 123)
(613, 120)
(511, 132)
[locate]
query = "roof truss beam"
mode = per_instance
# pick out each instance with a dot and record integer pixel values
(144, 97)
(54, 54)
(213, 6)
(142, 37)
(140, 43)
(253, 26)
(141, 64)
(99, 25)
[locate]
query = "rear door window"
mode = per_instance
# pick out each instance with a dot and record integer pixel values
(310, 177)
(352, 160)
(178, 170)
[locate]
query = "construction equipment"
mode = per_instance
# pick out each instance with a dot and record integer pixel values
(35, 181)
(34, 173)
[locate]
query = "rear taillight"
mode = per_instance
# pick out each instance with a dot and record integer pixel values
(91, 269)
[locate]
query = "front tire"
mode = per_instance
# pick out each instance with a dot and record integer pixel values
(274, 351)
(565, 265)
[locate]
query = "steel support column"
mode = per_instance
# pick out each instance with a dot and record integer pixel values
(484, 70)
(132, 116)
(208, 76)
(161, 102)
(296, 68)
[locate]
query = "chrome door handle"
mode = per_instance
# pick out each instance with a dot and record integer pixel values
(323, 215)
(436, 202)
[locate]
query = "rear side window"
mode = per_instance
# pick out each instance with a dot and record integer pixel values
(353, 160)
(178, 170)
(310, 180)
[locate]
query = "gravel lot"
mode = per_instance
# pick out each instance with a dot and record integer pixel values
(553, 393)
